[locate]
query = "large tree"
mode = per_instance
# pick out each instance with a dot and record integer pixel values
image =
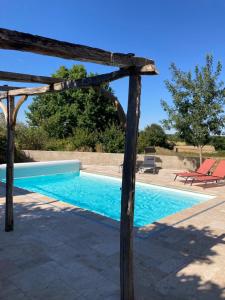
(59, 114)
(198, 98)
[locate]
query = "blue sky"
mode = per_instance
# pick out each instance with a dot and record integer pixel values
(166, 31)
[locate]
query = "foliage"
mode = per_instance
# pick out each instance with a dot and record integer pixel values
(31, 138)
(73, 120)
(152, 135)
(113, 139)
(2, 123)
(218, 142)
(197, 110)
(174, 138)
(84, 140)
(60, 113)
(59, 145)
(2, 147)
(2, 139)
(3, 142)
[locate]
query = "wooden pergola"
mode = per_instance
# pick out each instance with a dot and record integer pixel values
(128, 65)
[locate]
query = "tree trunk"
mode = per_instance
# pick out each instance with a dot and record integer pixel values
(9, 165)
(200, 153)
(128, 190)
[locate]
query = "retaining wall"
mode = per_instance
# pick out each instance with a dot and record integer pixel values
(192, 149)
(110, 159)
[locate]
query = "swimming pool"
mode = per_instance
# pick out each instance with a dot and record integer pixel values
(101, 194)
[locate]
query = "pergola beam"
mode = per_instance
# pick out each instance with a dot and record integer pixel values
(14, 40)
(128, 189)
(68, 84)
(10, 164)
(5, 88)
(17, 107)
(80, 83)
(19, 77)
(120, 112)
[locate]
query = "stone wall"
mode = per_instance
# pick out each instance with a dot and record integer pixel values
(110, 159)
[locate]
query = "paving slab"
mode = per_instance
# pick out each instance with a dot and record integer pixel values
(58, 251)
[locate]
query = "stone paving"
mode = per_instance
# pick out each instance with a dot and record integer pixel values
(58, 251)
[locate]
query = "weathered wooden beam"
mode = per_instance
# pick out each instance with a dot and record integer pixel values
(149, 69)
(117, 104)
(14, 40)
(5, 88)
(76, 84)
(19, 77)
(69, 84)
(9, 165)
(16, 109)
(128, 190)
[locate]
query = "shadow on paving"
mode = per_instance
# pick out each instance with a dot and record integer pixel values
(17, 191)
(182, 262)
(57, 254)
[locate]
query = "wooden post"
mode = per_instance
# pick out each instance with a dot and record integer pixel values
(10, 165)
(128, 189)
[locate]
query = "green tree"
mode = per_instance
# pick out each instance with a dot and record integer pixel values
(197, 110)
(60, 113)
(152, 135)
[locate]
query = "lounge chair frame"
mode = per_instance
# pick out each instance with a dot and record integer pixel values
(148, 166)
(197, 173)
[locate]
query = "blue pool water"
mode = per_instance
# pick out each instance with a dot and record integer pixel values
(102, 194)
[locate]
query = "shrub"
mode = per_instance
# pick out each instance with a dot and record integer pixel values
(58, 145)
(84, 140)
(2, 148)
(218, 142)
(31, 138)
(112, 139)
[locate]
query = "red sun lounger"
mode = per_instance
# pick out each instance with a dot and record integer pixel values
(218, 174)
(202, 170)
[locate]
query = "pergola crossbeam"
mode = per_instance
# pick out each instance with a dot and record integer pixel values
(19, 77)
(79, 83)
(5, 88)
(14, 40)
(68, 84)
(117, 104)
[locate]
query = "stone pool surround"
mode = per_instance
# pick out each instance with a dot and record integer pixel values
(59, 251)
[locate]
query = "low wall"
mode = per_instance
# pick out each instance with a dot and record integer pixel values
(110, 159)
(193, 149)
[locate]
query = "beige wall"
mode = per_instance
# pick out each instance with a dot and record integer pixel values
(192, 149)
(110, 159)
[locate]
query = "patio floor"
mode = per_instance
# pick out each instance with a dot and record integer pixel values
(58, 251)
